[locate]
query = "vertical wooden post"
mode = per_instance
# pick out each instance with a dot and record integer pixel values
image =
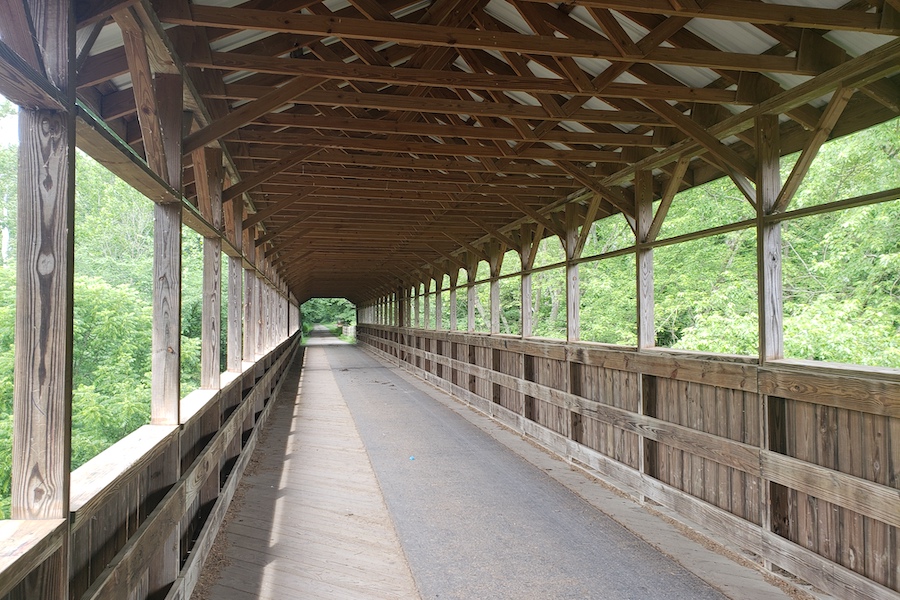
(250, 299)
(416, 308)
(166, 346)
(259, 344)
(438, 301)
(42, 396)
(43, 365)
(495, 254)
(165, 375)
(643, 200)
(526, 256)
(471, 273)
(235, 290)
(768, 240)
(208, 181)
(454, 277)
(402, 308)
(646, 326)
(573, 286)
(427, 315)
(166, 366)
(773, 499)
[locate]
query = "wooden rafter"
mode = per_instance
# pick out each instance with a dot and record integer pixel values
(144, 93)
(455, 37)
(419, 135)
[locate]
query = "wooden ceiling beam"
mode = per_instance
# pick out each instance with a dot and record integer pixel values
(354, 71)
(434, 149)
(277, 207)
(246, 113)
(371, 176)
(862, 70)
(702, 136)
(438, 105)
(17, 32)
(267, 173)
(447, 130)
(756, 12)
(288, 184)
(457, 37)
(405, 162)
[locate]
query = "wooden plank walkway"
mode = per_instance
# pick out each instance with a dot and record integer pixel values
(309, 520)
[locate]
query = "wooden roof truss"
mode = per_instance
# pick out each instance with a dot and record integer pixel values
(363, 140)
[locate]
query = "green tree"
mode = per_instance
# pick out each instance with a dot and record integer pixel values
(328, 311)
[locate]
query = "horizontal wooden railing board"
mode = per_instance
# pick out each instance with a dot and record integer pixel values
(196, 403)
(24, 545)
(859, 495)
(865, 394)
(99, 479)
(840, 581)
(710, 420)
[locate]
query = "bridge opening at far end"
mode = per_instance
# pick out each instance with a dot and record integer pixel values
(334, 315)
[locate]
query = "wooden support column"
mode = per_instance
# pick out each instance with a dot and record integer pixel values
(42, 396)
(648, 450)
(265, 315)
(768, 240)
(573, 286)
(235, 287)
(471, 273)
(427, 315)
(416, 322)
(643, 200)
(495, 254)
(166, 355)
(527, 252)
(774, 500)
(438, 301)
(454, 277)
(262, 295)
(250, 297)
(43, 365)
(402, 307)
(208, 180)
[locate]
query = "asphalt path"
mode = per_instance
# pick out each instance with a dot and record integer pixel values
(477, 521)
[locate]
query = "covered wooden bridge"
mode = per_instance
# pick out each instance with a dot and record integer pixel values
(380, 151)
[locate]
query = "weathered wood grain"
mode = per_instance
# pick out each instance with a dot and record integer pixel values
(25, 546)
(42, 394)
(869, 394)
(166, 344)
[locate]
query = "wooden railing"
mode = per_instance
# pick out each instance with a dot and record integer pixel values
(144, 513)
(795, 462)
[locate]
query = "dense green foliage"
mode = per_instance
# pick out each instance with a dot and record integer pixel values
(112, 313)
(327, 311)
(841, 270)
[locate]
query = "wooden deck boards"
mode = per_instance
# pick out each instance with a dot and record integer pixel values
(311, 521)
